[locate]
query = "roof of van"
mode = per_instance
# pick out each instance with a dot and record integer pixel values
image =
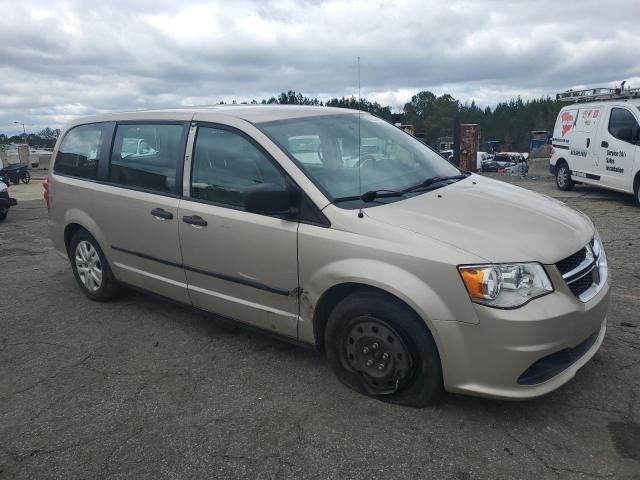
(634, 102)
(251, 113)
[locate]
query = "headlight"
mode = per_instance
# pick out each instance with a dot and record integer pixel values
(505, 286)
(596, 245)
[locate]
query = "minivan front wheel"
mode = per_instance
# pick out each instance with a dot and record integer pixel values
(378, 346)
(563, 177)
(91, 269)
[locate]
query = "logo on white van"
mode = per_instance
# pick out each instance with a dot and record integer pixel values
(590, 115)
(567, 122)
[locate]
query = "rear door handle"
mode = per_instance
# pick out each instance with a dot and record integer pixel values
(604, 144)
(161, 214)
(195, 220)
(588, 142)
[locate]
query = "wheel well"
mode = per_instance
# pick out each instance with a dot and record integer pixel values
(69, 231)
(560, 161)
(332, 297)
(636, 181)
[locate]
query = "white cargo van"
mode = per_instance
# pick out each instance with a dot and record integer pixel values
(596, 140)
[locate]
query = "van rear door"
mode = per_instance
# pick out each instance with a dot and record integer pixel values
(583, 149)
(562, 134)
(136, 205)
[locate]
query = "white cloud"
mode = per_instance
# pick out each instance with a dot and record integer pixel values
(64, 58)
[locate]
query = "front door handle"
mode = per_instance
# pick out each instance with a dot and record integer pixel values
(195, 220)
(161, 214)
(604, 144)
(588, 142)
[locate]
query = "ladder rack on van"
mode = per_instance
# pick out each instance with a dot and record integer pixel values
(595, 94)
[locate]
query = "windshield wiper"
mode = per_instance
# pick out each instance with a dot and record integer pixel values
(434, 181)
(371, 195)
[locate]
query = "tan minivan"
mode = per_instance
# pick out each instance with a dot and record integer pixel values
(335, 229)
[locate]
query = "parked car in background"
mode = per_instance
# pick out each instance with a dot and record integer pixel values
(6, 201)
(393, 267)
(447, 154)
(482, 157)
(508, 162)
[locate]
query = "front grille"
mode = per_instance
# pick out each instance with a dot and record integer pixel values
(582, 285)
(572, 261)
(581, 272)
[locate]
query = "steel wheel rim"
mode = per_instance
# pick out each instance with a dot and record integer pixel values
(377, 354)
(88, 266)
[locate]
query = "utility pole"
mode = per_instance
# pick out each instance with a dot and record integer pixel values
(24, 131)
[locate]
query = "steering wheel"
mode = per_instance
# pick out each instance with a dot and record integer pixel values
(368, 161)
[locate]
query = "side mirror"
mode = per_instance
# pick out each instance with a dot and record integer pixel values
(625, 134)
(270, 199)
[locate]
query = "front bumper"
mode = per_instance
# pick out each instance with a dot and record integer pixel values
(6, 202)
(525, 352)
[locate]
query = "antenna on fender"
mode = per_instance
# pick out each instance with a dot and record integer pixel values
(360, 214)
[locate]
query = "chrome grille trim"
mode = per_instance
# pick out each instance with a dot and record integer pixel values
(594, 265)
(586, 266)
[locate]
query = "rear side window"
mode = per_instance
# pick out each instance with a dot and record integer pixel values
(79, 152)
(226, 165)
(147, 156)
(623, 125)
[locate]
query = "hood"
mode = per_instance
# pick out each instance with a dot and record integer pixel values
(493, 220)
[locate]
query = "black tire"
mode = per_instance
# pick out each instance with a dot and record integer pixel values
(26, 177)
(108, 288)
(3, 214)
(563, 177)
(415, 380)
(636, 190)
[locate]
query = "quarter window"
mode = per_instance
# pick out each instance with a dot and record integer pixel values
(79, 152)
(147, 156)
(226, 165)
(623, 125)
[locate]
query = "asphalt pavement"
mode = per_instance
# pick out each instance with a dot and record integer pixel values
(141, 388)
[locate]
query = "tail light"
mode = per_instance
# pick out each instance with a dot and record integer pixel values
(45, 185)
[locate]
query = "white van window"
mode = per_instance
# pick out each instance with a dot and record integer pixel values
(147, 156)
(623, 125)
(78, 152)
(226, 165)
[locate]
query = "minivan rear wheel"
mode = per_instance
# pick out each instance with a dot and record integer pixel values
(91, 269)
(636, 191)
(378, 346)
(563, 177)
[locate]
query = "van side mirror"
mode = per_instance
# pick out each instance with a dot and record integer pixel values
(625, 134)
(270, 199)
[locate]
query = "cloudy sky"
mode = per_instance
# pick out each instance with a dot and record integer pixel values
(64, 58)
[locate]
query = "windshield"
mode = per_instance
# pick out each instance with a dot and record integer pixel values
(326, 148)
